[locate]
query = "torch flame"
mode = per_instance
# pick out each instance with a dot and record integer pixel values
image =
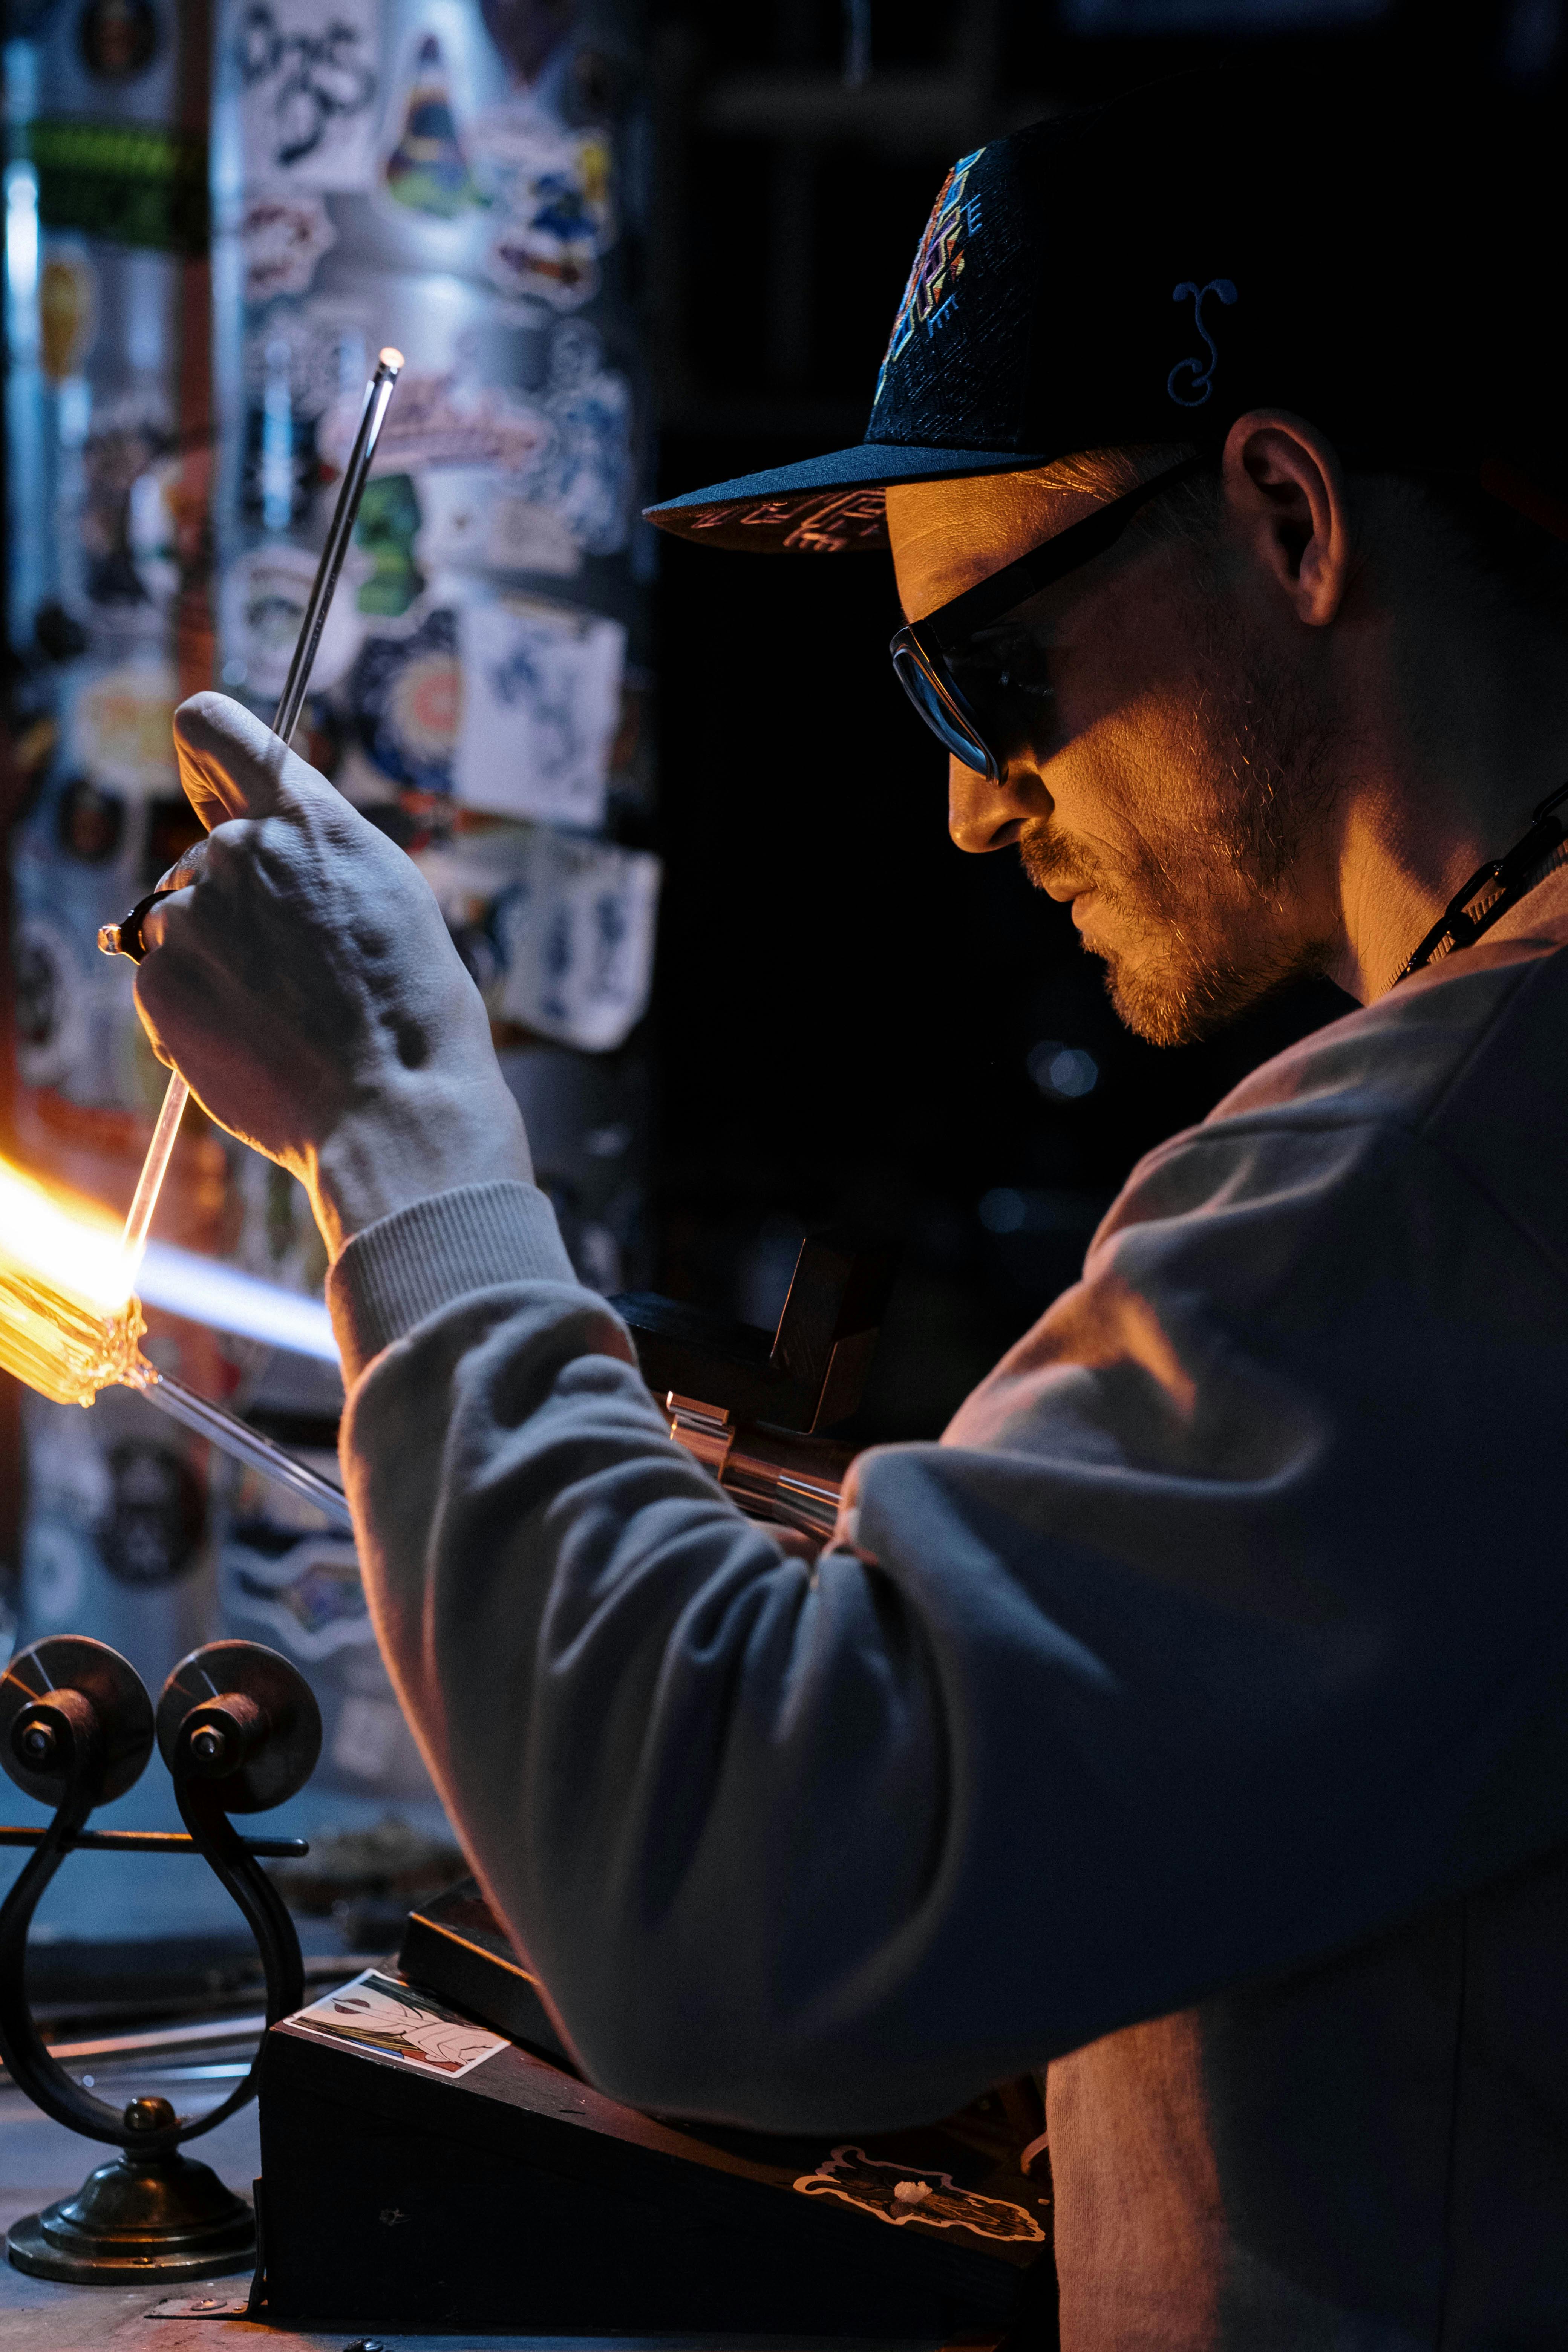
(72, 1244)
(68, 1322)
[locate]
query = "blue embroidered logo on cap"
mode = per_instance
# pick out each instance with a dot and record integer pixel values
(1198, 374)
(938, 264)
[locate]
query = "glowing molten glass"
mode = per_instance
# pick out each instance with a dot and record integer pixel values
(68, 1322)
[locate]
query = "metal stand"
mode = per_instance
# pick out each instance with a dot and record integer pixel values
(239, 1732)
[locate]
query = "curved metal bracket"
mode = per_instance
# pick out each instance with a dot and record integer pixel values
(241, 1731)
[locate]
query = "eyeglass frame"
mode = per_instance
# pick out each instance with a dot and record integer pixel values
(927, 641)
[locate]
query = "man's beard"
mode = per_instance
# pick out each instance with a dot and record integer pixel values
(1198, 913)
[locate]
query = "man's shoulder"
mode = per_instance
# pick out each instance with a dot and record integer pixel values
(1485, 1029)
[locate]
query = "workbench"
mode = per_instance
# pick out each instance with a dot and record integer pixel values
(40, 2161)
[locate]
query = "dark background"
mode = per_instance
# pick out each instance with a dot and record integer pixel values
(848, 1006)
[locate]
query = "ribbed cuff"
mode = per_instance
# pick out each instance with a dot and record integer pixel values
(407, 1265)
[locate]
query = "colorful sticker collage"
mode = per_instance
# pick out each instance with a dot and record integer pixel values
(417, 174)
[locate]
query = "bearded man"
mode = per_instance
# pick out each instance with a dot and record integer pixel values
(1192, 1720)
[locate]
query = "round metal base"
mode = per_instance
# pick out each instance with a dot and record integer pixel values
(163, 2218)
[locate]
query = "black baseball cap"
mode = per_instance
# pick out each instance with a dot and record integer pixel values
(1147, 270)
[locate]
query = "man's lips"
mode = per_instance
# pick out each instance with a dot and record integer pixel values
(1071, 894)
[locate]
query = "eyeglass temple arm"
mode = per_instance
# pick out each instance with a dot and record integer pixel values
(1050, 561)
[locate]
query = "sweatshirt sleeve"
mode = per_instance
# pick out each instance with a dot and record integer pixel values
(1196, 1648)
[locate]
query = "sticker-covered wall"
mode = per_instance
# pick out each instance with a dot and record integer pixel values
(462, 182)
(108, 466)
(215, 218)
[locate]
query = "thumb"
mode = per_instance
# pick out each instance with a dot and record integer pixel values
(232, 765)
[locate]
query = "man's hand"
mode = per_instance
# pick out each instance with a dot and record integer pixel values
(307, 989)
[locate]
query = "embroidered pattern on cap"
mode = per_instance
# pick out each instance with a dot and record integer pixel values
(938, 264)
(1197, 375)
(818, 526)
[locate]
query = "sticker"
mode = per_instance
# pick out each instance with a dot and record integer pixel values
(469, 874)
(558, 934)
(405, 694)
(312, 1598)
(476, 519)
(151, 1532)
(51, 1010)
(133, 183)
(895, 2194)
(541, 704)
(377, 2016)
(426, 168)
(523, 537)
(434, 423)
(116, 39)
(576, 935)
(68, 311)
(122, 727)
(385, 534)
(585, 473)
(281, 238)
(320, 348)
(77, 1030)
(90, 825)
(262, 605)
(56, 1565)
(309, 84)
(130, 438)
(152, 528)
(551, 188)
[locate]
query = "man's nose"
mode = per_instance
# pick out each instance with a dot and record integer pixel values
(984, 813)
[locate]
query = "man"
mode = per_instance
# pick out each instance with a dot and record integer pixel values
(1194, 1715)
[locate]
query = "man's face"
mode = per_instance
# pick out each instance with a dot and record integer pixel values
(1162, 764)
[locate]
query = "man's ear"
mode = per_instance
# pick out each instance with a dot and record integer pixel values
(1284, 497)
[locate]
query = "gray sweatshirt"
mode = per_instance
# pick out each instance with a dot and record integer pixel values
(1193, 1716)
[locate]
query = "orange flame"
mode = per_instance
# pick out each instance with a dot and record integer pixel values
(68, 1322)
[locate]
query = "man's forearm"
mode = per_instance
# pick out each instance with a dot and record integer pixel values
(412, 1139)
(1116, 1699)
(702, 1779)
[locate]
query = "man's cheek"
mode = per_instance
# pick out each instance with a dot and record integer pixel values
(1105, 792)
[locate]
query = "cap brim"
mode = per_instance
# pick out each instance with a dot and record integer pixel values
(824, 506)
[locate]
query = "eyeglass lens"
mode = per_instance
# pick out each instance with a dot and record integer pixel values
(944, 723)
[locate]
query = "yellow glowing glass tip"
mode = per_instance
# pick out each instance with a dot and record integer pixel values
(68, 1323)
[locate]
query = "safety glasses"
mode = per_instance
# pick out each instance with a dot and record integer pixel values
(926, 653)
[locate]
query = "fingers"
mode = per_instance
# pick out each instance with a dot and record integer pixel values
(204, 860)
(186, 868)
(177, 881)
(231, 764)
(155, 925)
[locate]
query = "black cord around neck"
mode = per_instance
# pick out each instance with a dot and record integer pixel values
(1501, 883)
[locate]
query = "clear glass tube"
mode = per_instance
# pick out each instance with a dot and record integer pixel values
(154, 1168)
(246, 1444)
(378, 393)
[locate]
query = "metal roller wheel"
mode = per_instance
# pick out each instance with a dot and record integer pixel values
(62, 1664)
(258, 1731)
